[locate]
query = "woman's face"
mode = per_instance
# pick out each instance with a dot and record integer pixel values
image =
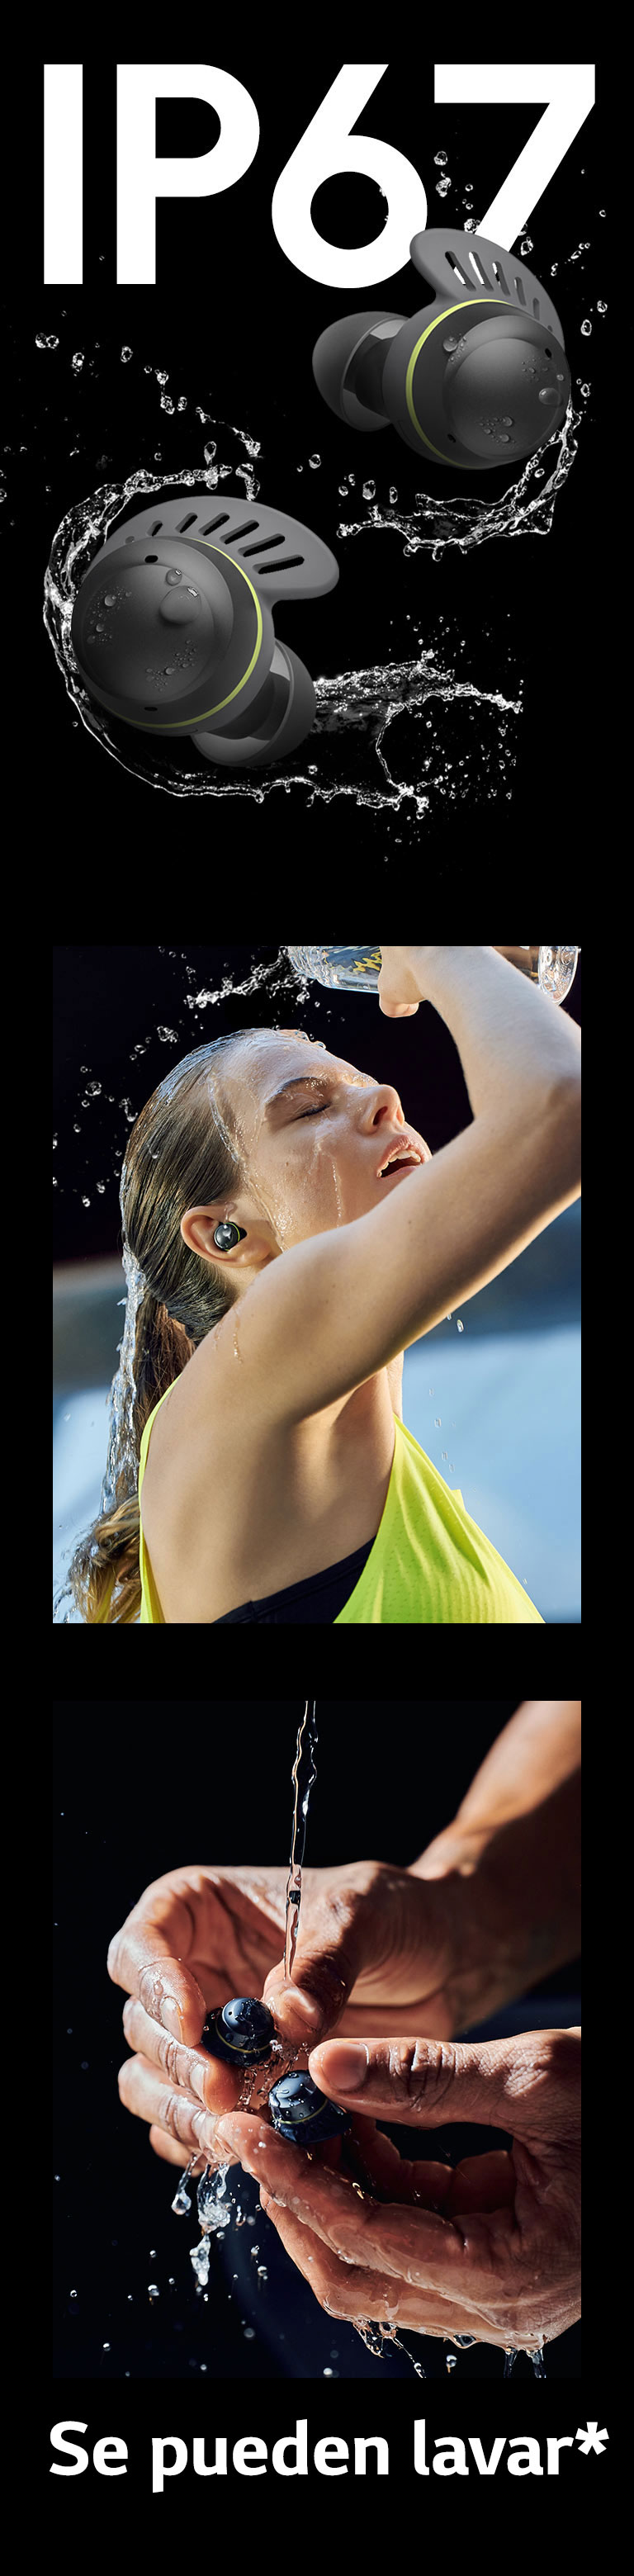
(311, 1132)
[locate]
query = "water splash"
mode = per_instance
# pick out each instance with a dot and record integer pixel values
(357, 707)
(464, 522)
(214, 2210)
(376, 2336)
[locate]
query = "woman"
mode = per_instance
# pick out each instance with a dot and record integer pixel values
(282, 1271)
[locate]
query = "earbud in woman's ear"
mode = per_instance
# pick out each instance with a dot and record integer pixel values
(172, 628)
(477, 378)
(227, 1235)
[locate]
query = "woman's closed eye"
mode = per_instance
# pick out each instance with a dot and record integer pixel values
(313, 1113)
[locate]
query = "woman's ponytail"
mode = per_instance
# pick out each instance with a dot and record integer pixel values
(178, 1156)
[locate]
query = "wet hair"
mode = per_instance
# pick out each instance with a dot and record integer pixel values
(177, 1156)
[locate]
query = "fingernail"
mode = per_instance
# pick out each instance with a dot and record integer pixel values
(225, 2129)
(344, 2064)
(171, 2016)
(291, 1999)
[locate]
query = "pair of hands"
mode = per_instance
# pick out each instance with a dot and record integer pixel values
(490, 2248)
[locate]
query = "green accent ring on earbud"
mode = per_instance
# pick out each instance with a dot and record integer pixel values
(433, 326)
(184, 724)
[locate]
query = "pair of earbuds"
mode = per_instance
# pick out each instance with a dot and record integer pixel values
(172, 628)
(240, 2033)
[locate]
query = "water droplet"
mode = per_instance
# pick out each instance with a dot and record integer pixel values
(450, 344)
(442, 187)
(249, 2334)
(503, 438)
(73, 2294)
(314, 460)
(602, 308)
(440, 160)
(507, 417)
(461, 1328)
(586, 329)
(368, 490)
(125, 355)
(153, 2290)
(451, 2361)
(46, 340)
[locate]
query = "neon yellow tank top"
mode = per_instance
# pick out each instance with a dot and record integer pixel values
(430, 1564)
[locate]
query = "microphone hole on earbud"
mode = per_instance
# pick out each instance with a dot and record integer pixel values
(151, 558)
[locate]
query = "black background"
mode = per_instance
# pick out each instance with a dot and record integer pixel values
(111, 1000)
(140, 1789)
(235, 323)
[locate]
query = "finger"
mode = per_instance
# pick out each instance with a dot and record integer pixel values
(169, 2106)
(390, 2175)
(342, 2289)
(331, 1951)
(481, 2182)
(521, 2084)
(413, 2244)
(168, 2148)
(213, 2083)
(149, 1954)
(346, 2291)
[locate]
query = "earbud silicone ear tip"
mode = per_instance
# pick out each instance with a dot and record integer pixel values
(290, 683)
(333, 355)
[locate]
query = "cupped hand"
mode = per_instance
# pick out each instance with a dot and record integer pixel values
(373, 1940)
(490, 2249)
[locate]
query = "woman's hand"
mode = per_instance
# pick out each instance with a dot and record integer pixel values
(374, 1943)
(399, 984)
(491, 2249)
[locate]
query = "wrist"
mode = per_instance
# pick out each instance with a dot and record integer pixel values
(511, 1921)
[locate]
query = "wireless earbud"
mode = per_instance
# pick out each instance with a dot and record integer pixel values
(304, 2115)
(227, 1235)
(240, 2032)
(477, 378)
(172, 628)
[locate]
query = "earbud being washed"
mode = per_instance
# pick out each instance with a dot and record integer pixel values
(240, 2032)
(304, 2115)
(476, 378)
(172, 628)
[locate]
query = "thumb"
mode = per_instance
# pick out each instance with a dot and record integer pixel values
(525, 2085)
(325, 1969)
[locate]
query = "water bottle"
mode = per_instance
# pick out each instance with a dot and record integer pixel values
(357, 970)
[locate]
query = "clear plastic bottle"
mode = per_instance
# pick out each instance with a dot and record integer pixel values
(357, 970)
